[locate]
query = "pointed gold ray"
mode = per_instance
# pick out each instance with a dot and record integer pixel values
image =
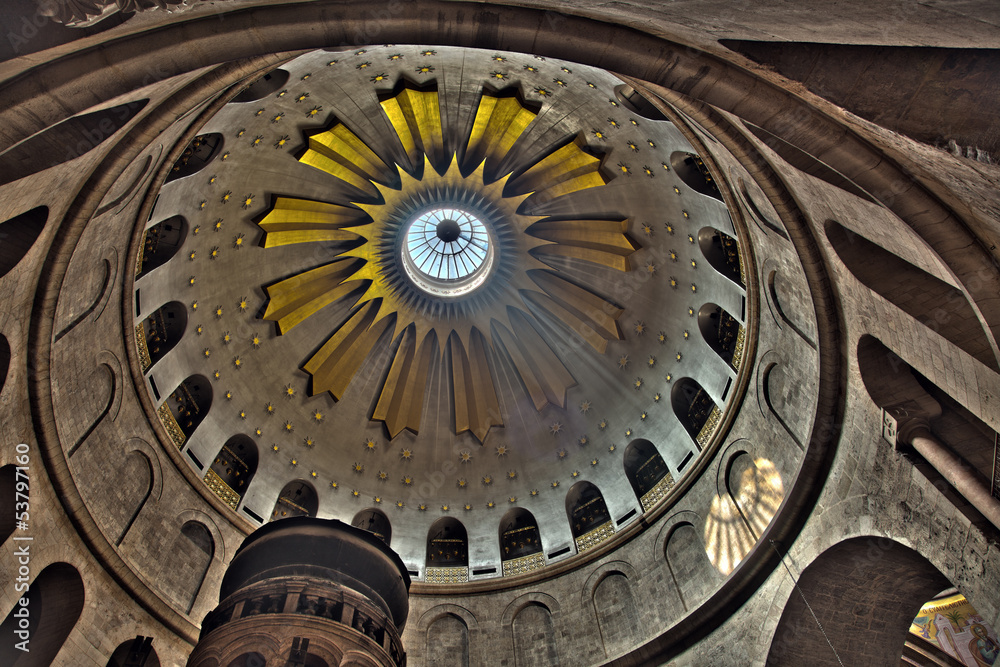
(598, 241)
(592, 316)
(475, 400)
(341, 153)
(401, 401)
(333, 366)
(296, 298)
(304, 220)
(499, 123)
(566, 170)
(416, 117)
(544, 375)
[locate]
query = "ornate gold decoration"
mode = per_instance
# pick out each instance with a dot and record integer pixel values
(741, 341)
(140, 341)
(657, 493)
(594, 537)
(706, 432)
(523, 564)
(221, 489)
(446, 575)
(169, 423)
(427, 329)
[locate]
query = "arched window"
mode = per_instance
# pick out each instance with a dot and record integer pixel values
(691, 169)
(447, 552)
(161, 242)
(55, 600)
(588, 514)
(198, 153)
(136, 652)
(264, 86)
(722, 252)
(646, 472)
(186, 407)
(160, 332)
(695, 409)
(19, 234)
(723, 333)
(233, 468)
(520, 542)
(297, 498)
(375, 522)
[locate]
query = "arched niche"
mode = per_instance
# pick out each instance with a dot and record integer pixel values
(866, 572)
(534, 636)
(586, 510)
(161, 242)
(688, 563)
(755, 486)
(447, 544)
(187, 406)
(519, 537)
(19, 235)
(65, 141)
(634, 101)
(691, 169)
(190, 560)
(375, 522)
(137, 652)
(722, 251)
(617, 613)
(646, 472)
(233, 468)
(160, 332)
(8, 485)
(268, 84)
(448, 642)
(133, 486)
(928, 299)
(196, 155)
(55, 601)
(695, 409)
(722, 332)
(297, 498)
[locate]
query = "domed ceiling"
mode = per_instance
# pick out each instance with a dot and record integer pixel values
(439, 282)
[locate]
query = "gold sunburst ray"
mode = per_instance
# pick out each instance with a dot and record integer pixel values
(426, 330)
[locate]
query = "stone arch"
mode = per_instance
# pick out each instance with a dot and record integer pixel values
(634, 101)
(934, 303)
(132, 490)
(722, 332)
(754, 485)
(160, 332)
(232, 469)
(249, 659)
(691, 169)
(66, 141)
(112, 369)
(586, 509)
(645, 469)
(519, 535)
(267, 84)
(297, 498)
(608, 591)
(449, 633)
(160, 243)
(196, 544)
(777, 292)
(196, 156)
(687, 560)
(722, 252)
(776, 392)
(534, 636)
(375, 522)
(447, 544)
(763, 219)
(109, 265)
(55, 602)
(878, 582)
(137, 651)
(695, 409)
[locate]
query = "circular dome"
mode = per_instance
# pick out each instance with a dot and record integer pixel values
(447, 252)
(444, 298)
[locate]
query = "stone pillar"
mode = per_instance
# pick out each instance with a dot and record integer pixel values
(917, 434)
(305, 592)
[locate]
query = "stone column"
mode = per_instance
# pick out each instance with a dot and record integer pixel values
(917, 434)
(305, 592)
